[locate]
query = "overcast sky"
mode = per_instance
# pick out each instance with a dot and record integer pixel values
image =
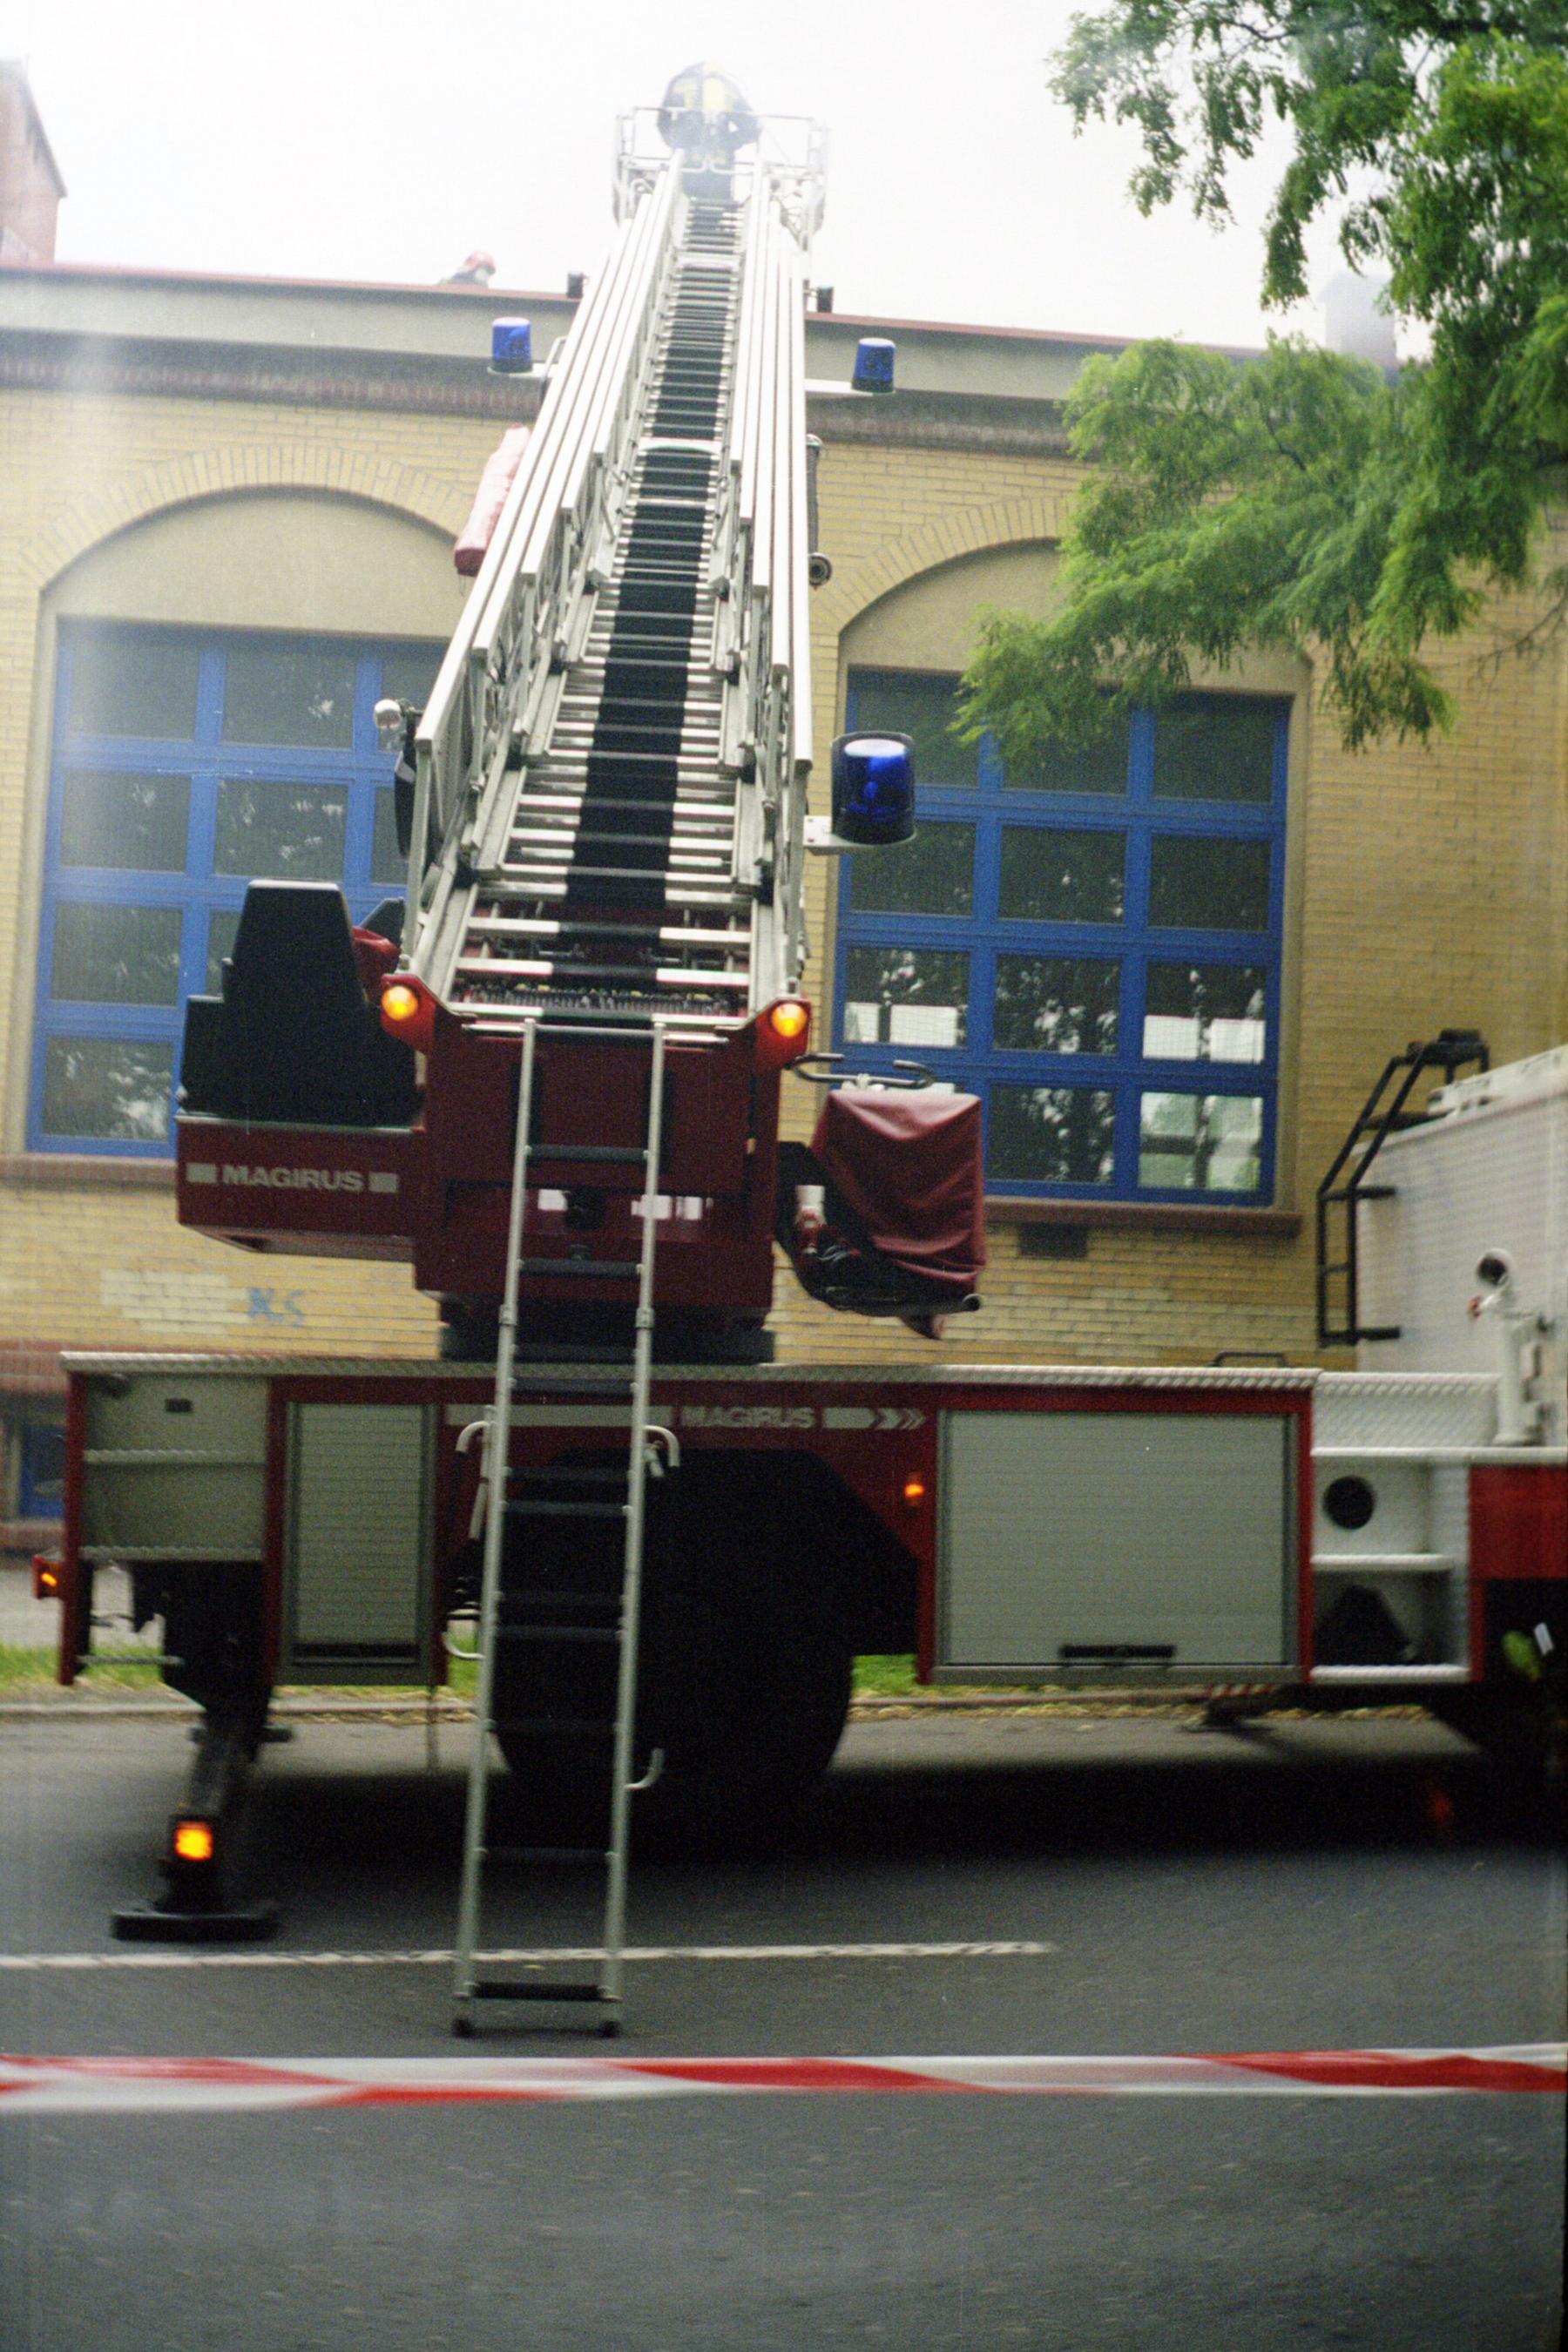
(384, 139)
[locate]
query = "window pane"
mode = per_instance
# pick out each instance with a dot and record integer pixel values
(222, 925)
(43, 1471)
(387, 863)
(1204, 1013)
(116, 955)
(1056, 1005)
(408, 672)
(1051, 1135)
(124, 683)
(115, 1089)
(288, 692)
(138, 823)
(905, 996)
(1098, 767)
(1215, 747)
(1199, 885)
(925, 710)
(1200, 1143)
(290, 833)
(932, 875)
(1051, 876)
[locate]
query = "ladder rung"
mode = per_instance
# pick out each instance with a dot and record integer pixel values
(601, 1634)
(614, 1155)
(545, 927)
(544, 1853)
(634, 975)
(521, 1508)
(556, 1598)
(559, 1726)
(490, 1989)
(587, 1269)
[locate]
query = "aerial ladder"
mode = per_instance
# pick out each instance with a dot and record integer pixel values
(549, 1076)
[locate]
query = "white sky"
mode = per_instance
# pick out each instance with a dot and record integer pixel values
(384, 139)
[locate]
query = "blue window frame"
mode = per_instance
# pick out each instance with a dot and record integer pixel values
(1093, 948)
(40, 1491)
(182, 765)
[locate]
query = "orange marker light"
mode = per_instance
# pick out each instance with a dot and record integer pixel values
(194, 1840)
(783, 1032)
(914, 1491)
(48, 1576)
(408, 1014)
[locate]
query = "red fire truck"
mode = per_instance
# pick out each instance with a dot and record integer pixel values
(548, 1077)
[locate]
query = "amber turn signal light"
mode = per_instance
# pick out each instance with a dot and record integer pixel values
(783, 1032)
(408, 1012)
(914, 1492)
(48, 1577)
(192, 1839)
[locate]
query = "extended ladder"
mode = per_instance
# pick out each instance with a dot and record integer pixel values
(610, 804)
(553, 1614)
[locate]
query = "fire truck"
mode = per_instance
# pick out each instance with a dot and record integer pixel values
(548, 1079)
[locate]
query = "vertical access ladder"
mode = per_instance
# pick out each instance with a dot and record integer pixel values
(556, 1615)
(1386, 1112)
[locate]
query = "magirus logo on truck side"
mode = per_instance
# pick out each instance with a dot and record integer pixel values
(748, 1416)
(297, 1180)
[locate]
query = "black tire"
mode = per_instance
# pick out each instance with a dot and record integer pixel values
(745, 1665)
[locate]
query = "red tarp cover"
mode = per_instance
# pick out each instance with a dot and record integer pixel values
(501, 472)
(909, 1167)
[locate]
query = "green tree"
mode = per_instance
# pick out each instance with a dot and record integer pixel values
(1304, 501)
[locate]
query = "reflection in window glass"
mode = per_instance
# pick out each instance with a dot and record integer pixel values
(1215, 747)
(289, 691)
(139, 822)
(1052, 876)
(905, 996)
(1056, 1005)
(1200, 1143)
(1097, 767)
(289, 833)
(409, 674)
(41, 1493)
(124, 683)
(113, 1088)
(923, 707)
(1051, 1135)
(222, 925)
(932, 875)
(1197, 884)
(116, 955)
(387, 862)
(1204, 1013)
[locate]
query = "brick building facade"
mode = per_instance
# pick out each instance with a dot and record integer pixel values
(245, 473)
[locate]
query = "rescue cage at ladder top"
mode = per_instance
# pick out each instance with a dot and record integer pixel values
(603, 804)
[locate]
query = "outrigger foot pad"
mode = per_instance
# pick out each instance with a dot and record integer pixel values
(148, 1922)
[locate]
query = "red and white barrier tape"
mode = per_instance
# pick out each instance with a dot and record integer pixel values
(98, 2086)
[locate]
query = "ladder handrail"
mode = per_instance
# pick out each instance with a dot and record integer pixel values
(438, 743)
(449, 739)
(621, 1786)
(494, 1468)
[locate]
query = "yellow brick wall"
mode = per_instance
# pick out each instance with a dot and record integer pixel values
(1432, 889)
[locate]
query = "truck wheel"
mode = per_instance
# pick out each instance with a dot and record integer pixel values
(747, 1726)
(748, 1702)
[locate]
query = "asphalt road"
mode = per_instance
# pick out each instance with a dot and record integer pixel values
(1307, 1887)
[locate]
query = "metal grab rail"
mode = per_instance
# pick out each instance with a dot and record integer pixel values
(505, 639)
